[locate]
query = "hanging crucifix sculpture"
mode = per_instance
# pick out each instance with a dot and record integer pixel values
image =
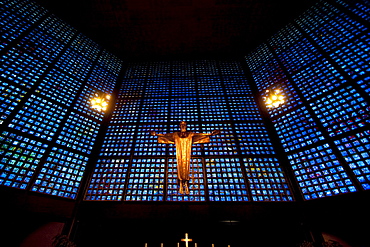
(184, 141)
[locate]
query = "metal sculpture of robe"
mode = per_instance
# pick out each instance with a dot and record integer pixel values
(184, 141)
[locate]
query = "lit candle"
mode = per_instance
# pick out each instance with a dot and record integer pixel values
(178, 244)
(213, 245)
(195, 244)
(161, 244)
(146, 244)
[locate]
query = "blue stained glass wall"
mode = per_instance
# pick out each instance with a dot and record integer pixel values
(208, 95)
(49, 72)
(320, 63)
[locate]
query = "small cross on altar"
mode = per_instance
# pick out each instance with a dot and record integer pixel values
(186, 240)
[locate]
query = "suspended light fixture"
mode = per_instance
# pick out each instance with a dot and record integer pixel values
(100, 101)
(274, 98)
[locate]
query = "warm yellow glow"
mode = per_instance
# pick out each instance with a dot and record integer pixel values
(100, 102)
(274, 99)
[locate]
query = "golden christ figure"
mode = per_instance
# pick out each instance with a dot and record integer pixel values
(184, 141)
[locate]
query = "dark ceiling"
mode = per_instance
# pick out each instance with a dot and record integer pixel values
(177, 29)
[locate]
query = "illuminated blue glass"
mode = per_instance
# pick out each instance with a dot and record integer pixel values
(205, 67)
(184, 109)
(157, 88)
(59, 87)
(146, 180)
(184, 86)
(147, 144)
(253, 138)
(208, 106)
(10, 96)
(267, 180)
(319, 173)
(20, 157)
(268, 75)
(209, 86)
(74, 64)
(102, 79)
(38, 117)
(297, 129)
(230, 68)
(154, 110)
(236, 85)
(244, 108)
(259, 57)
(58, 29)
(354, 57)
(196, 182)
(356, 149)
(61, 174)
(221, 144)
(318, 79)
(21, 68)
(342, 111)
(110, 62)
(118, 141)
(108, 180)
(225, 181)
(42, 45)
(85, 46)
(12, 26)
(79, 133)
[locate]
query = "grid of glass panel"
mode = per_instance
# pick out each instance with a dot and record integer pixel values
(85, 46)
(253, 139)
(38, 117)
(297, 129)
(221, 144)
(21, 68)
(269, 74)
(355, 150)
(230, 68)
(319, 173)
(159, 69)
(183, 87)
(354, 57)
(118, 140)
(318, 79)
(10, 96)
(126, 110)
(108, 180)
(196, 182)
(213, 109)
(342, 111)
(258, 57)
(59, 87)
(12, 26)
(20, 157)
(236, 85)
(110, 61)
(79, 133)
(267, 180)
(184, 109)
(225, 180)
(58, 29)
(209, 86)
(154, 110)
(206, 67)
(74, 64)
(132, 88)
(29, 10)
(102, 79)
(329, 31)
(146, 180)
(182, 68)
(61, 174)
(244, 108)
(41, 45)
(285, 39)
(158, 88)
(146, 144)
